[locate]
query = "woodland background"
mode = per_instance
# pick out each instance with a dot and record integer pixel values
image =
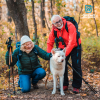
(33, 18)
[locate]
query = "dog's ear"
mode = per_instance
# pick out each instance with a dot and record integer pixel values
(53, 51)
(64, 50)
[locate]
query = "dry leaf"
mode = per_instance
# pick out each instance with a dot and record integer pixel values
(83, 95)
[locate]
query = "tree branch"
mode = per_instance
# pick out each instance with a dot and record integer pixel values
(80, 12)
(94, 18)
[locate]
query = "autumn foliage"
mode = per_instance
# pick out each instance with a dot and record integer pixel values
(87, 27)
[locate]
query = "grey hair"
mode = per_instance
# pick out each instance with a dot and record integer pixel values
(52, 18)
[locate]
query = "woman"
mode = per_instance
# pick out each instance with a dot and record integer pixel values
(29, 66)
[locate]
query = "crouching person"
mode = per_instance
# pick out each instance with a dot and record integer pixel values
(29, 66)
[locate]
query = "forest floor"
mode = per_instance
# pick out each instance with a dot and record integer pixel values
(45, 94)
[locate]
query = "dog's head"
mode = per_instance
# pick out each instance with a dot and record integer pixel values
(58, 55)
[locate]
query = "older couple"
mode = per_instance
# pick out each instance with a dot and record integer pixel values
(29, 66)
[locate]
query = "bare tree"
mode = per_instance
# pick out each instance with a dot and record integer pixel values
(94, 18)
(18, 13)
(80, 12)
(16, 39)
(33, 15)
(9, 17)
(51, 8)
(0, 10)
(43, 13)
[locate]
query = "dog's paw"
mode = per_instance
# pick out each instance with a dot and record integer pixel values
(53, 92)
(62, 93)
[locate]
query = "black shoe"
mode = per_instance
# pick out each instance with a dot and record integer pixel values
(35, 86)
(75, 90)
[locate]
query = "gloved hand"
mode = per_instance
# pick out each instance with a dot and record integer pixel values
(50, 55)
(8, 47)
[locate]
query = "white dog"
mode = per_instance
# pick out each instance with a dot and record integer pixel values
(57, 67)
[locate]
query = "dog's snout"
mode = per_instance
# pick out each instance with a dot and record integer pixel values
(62, 60)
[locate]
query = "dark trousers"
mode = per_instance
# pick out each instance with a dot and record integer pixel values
(76, 63)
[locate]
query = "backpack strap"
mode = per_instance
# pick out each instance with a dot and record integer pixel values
(66, 27)
(55, 33)
(35, 51)
(56, 38)
(60, 39)
(19, 57)
(18, 44)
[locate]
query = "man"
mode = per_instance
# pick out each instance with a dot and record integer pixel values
(70, 40)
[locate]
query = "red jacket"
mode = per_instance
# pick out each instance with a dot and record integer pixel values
(70, 37)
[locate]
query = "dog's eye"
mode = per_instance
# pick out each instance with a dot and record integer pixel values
(58, 56)
(62, 55)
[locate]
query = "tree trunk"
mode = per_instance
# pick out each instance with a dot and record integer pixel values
(80, 12)
(0, 10)
(51, 8)
(9, 17)
(53, 2)
(16, 35)
(94, 18)
(18, 13)
(35, 25)
(42, 13)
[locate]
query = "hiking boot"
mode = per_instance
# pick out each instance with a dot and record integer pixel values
(35, 86)
(75, 90)
(64, 88)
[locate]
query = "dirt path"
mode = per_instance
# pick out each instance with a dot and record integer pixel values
(43, 94)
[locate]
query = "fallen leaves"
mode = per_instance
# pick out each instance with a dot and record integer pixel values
(0, 92)
(3, 97)
(83, 95)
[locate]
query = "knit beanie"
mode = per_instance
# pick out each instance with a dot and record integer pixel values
(25, 39)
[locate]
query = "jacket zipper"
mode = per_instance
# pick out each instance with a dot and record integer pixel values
(30, 62)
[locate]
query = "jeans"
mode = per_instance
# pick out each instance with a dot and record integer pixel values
(76, 63)
(25, 80)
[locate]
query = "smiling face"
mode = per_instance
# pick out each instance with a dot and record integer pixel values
(57, 22)
(28, 45)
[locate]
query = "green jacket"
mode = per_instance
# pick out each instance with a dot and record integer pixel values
(28, 62)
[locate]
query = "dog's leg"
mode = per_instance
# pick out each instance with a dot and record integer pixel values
(58, 83)
(61, 85)
(54, 84)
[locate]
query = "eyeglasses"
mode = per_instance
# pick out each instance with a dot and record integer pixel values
(58, 22)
